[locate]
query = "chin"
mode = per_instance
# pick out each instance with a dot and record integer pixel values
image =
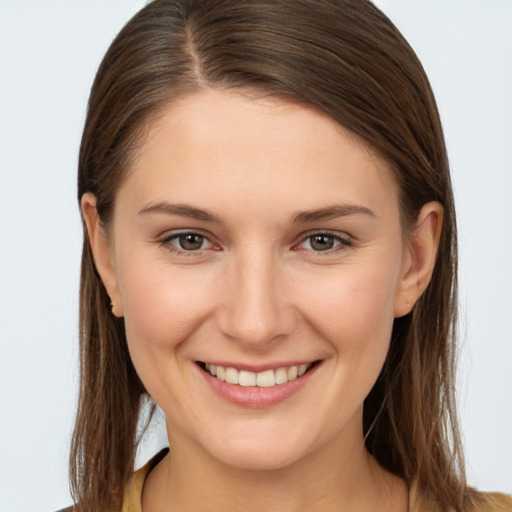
(267, 449)
(257, 459)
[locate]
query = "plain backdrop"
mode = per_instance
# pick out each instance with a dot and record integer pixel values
(49, 52)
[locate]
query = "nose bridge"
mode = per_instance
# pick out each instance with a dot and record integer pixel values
(257, 310)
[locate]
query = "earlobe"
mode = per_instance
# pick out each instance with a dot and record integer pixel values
(102, 252)
(419, 265)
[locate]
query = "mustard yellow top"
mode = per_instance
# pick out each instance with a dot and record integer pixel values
(492, 502)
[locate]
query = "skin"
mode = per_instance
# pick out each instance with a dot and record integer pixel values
(258, 292)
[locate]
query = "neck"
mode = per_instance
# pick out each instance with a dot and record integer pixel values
(339, 476)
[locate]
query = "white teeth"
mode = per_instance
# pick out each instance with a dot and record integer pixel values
(292, 373)
(246, 378)
(265, 379)
(221, 373)
(231, 376)
(281, 376)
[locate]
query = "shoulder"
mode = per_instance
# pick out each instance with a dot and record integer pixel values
(133, 491)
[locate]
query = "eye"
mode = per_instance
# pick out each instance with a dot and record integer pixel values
(322, 242)
(187, 241)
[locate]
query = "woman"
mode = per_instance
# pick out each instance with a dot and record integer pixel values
(270, 255)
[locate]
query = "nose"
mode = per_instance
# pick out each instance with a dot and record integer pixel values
(258, 308)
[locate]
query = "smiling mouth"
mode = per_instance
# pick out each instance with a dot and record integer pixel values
(265, 379)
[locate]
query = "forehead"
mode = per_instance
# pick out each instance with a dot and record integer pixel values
(220, 147)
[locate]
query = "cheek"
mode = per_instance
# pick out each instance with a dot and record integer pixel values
(354, 313)
(163, 309)
(353, 308)
(162, 305)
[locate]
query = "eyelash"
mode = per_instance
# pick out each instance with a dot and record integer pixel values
(341, 242)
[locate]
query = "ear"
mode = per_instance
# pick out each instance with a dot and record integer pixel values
(102, 251)
(419, 258)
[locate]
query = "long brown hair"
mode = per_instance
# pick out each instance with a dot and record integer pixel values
(347, 59)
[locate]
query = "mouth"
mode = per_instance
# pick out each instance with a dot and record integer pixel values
(265, 379)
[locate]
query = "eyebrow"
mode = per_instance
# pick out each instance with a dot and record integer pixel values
(183, 210)
(331, 212)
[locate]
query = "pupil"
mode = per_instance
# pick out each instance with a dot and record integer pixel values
(322, 242)
(191, 241)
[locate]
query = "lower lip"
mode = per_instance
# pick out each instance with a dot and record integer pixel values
(257, 397)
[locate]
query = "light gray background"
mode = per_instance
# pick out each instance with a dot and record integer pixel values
(49, 52)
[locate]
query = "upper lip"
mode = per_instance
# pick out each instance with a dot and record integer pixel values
(259, 367)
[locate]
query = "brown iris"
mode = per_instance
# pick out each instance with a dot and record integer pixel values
(322, 242)
(191, 241)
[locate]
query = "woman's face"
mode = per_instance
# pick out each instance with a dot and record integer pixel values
(254, 238)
